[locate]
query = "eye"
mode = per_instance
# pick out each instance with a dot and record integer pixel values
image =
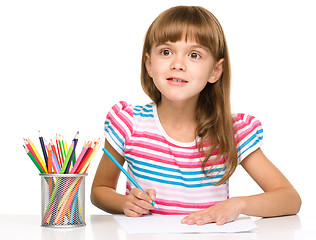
(195, 55)
(166, 52)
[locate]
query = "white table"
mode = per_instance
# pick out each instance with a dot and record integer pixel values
(105, 227)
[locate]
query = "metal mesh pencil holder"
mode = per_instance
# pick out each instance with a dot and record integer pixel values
(63, 200)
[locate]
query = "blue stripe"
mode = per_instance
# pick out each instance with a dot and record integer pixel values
(146, 164)
(255, 135)
(142, 108)
(143, 112)
(172, 182)
(114, 136)
(166, 175)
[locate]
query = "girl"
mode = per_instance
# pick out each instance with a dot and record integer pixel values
(185, 145)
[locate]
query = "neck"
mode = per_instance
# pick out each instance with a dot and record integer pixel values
(179, 111)
(178, 119)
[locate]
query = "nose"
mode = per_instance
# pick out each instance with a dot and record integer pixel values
(178, 64)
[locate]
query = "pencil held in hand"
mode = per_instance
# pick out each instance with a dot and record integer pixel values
(126, 173)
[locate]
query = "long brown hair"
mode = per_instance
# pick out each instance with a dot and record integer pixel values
(213, 113)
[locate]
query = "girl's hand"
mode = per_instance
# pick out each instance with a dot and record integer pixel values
(220, 213)
(138, 203)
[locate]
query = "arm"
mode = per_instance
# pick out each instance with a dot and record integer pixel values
(279, 197)
(104, 195)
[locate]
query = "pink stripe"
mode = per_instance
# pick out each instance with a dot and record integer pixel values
(183, 204)
(170, 212)
(159, 138)
(242, 135)
(192, 197)
(163, 149)
(191, 192)
(127, 108)
(117, 125)
(240, 124)
(164, 160)
(124, 119)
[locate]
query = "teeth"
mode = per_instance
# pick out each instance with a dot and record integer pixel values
(176, 80)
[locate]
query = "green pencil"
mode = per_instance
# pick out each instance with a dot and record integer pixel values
(62, 171)
(34, 160)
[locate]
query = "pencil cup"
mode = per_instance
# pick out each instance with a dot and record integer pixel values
(63, 200)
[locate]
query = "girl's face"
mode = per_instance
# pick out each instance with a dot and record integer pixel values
(180, 70)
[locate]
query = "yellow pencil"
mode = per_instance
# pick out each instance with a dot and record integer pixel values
(38, 155)
(87, 163)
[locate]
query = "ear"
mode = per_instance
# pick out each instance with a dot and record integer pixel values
(217, 71)
(148, 64)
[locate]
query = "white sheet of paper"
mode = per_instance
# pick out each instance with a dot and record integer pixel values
(172, 224)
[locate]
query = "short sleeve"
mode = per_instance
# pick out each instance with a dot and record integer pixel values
(118, 125)
(248, 134)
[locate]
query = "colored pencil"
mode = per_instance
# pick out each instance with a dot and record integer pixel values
(86, 165)
(85, 158)
(49, 159)
(58, 151)
(63, 169)
(83, 151)
(33, 160)
(64, 202)
(27, 144)
(56, 165)
(75, 141)
(126, 173)
(62, 149)
(38, 155)
(43, 148)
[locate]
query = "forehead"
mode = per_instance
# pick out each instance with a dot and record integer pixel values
(182, 44)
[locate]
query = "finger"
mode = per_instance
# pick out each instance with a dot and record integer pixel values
(140, 195)
(130, 213)
(137, 198)
(134, 206)
(151, 193)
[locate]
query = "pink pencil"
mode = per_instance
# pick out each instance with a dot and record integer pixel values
(83, 151)
(85, 158)
(27, 144)
(55, 160)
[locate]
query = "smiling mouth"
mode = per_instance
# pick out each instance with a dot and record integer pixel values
(176, 80)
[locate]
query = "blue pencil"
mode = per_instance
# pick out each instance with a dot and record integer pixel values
(126, 173)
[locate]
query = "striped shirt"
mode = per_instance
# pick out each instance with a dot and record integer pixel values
(170, 167)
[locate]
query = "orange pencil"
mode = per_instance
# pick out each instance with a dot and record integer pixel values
(86, 165)
(85, 158)
(50, 159)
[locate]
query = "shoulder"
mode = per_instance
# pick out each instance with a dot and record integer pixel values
(126, 113)
(123, 107)
(242, 122)
(248, 133)
(120, 122)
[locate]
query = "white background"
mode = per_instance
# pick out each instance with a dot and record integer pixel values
(63, 64)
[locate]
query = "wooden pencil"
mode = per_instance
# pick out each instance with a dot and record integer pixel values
(38, 155)
(33, 160)
(49, 159)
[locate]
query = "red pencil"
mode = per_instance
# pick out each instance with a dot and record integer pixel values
(27, 144)
(59, 152)
(85, 158)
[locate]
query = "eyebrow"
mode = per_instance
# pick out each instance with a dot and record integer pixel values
(191, 46)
